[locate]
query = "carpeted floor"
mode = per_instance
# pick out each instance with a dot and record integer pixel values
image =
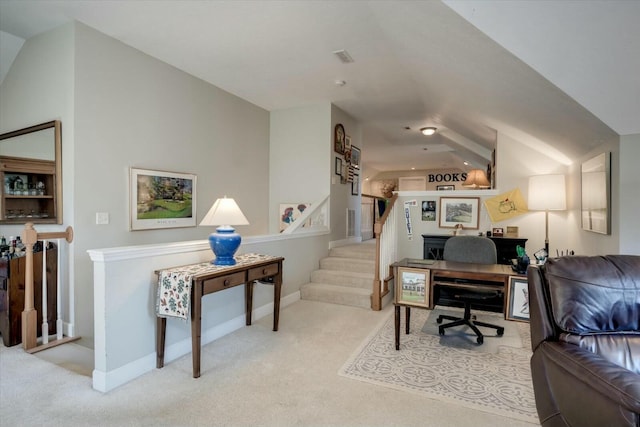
(494, 377)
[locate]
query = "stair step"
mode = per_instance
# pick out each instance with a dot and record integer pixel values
(343, 278)
(348, 264)
(335, 294)
(361, 251)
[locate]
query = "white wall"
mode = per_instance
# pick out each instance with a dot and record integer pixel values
(629, 202)
(341, 198)
(299, 148)
(135, 111)
(39, 88)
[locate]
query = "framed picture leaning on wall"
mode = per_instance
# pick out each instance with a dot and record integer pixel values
(413, 286)
(517, 299)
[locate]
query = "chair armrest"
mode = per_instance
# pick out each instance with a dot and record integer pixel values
(540, 316)
(594, 372)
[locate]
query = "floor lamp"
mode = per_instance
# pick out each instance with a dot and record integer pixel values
(547, 193)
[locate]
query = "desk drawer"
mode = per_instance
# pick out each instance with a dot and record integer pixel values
(264, 271)
(224, 282)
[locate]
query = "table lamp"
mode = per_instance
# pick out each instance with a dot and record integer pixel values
(476, 178)
(225, 241)
(547, 193)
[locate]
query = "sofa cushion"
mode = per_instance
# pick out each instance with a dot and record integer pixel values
(620, 349)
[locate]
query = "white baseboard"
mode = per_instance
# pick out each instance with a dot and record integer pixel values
(107, 381)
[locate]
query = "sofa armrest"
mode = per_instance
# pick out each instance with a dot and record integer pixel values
(592, 371)
(540, 316)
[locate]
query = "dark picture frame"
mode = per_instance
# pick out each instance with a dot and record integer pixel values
(355, 185)
(517, 299)
(447, 187)
(355, 157)
(339, 139)
(338, 166)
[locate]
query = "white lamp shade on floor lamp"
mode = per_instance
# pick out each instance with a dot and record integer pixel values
(547, 193)
(225, 241)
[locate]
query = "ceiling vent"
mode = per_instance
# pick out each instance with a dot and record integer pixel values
(343, 55)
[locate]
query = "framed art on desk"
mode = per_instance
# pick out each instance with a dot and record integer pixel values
(517, 299)
(412, 288)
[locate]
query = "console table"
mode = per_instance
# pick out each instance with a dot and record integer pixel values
(207, 278)
(433, 246)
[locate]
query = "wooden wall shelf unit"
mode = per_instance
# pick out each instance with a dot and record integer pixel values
(31, 175)
(29, 204)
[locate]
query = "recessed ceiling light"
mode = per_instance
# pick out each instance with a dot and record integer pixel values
(466, 163)
(428, 130)
(340, 83)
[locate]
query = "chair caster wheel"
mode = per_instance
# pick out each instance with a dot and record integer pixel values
(480, 340)
(441, 331)
(500, 332)
(439, 320)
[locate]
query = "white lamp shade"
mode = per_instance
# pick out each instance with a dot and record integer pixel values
(547, 192)
(224, 212)
(476, 178)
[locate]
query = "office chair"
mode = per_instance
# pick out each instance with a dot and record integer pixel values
(474, 249)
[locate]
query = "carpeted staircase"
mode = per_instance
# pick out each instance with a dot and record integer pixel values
(345, 276)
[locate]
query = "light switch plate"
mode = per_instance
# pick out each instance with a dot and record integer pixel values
(102, 218)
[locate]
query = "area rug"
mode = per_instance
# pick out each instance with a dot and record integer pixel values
(498, 381)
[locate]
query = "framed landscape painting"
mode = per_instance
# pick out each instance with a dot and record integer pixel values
(463, 211)
(159, 199)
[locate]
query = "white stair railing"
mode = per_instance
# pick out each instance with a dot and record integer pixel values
(313, 218)
(385, 231)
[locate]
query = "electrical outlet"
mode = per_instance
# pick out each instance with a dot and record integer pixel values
(102, 218)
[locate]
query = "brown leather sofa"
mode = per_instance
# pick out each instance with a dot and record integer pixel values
(585, 337)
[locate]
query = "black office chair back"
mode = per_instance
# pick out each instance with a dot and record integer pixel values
(476, 249)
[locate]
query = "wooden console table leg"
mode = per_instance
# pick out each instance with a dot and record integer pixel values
(248, 301)
(397, 324)
(407, 313)
(277, 290)
(161, 330)
(196, 327)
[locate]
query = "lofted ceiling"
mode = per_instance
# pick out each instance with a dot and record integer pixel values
(560, 76)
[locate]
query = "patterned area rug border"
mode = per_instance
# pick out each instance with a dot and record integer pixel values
(495, 383)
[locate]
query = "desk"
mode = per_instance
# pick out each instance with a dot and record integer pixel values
(209, 278)
(444, 273)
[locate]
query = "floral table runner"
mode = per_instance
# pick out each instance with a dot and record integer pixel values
(174, 284)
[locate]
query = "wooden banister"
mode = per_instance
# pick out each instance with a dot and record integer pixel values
(30, 316)
(378, 291)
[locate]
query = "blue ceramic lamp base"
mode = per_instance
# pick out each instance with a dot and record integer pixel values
(224, 244)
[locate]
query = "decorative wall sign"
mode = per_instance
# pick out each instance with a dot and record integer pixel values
(506, 205)
(159, 199)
